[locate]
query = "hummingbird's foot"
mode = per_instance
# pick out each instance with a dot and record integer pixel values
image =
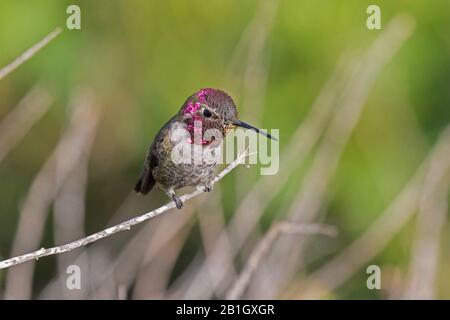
(171, 193)
(177, 201)
(206, 187)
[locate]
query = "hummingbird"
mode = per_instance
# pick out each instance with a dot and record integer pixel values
(206, 109)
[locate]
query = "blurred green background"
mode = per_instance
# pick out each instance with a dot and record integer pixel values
(143, 58)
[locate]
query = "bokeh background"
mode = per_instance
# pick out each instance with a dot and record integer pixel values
(371, 106)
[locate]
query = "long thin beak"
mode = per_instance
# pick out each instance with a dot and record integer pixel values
(242, 124)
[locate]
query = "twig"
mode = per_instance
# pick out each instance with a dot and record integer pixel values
(29, 53)
(114, 229)
(104, 271)
(143, 247)
(98, 256)
(264, 245)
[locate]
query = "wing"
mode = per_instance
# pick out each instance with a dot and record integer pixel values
(147, 181)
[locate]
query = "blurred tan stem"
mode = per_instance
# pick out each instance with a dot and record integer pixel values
(28, 54)
(251, 208)
(43, 190)
(153, 275)
(16, 124)
(264, 245)
(69, 215)
(250, 56)
(313, 194)
(335, 272)
(306, 136)
(421, 280)
(212, 224)
(248, 72)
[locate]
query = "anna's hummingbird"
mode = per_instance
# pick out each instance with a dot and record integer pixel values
(204, 110)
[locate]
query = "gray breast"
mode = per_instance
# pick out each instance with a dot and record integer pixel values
(185, 169)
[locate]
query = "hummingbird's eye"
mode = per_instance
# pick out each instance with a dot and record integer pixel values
(207, 113)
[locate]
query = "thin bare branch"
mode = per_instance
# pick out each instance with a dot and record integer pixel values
(264, 245)
(29, 53)
(143, 247)
(43, 252)
(105, 272)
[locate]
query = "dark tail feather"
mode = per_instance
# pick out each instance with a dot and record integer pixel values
(145, 184)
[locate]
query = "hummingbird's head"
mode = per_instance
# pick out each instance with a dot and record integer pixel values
(215, 109)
